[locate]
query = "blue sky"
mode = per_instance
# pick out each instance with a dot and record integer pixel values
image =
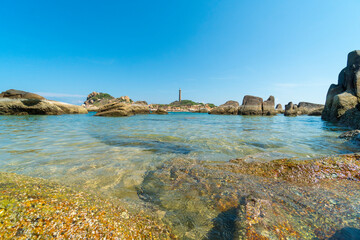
(214, 50)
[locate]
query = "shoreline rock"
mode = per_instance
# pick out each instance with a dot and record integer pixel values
(342, 99)
(15, 102)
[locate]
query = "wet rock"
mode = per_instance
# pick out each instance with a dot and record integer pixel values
(280, 199)
(351, 135)
(342, 98)
(15, 102)
(228, 108)
(122, 109)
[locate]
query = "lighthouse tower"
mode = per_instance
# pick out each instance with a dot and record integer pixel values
(179, 95)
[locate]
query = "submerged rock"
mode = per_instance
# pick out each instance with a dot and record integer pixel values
(281, 199)
(122, 109)
(15, 102)
(342, 99)
(33, 208)
(228, 108)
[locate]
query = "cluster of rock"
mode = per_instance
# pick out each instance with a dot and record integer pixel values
(16, 102)
(197, 108)
(96, 100)
(303, 108)
(342, 100)
(251, 105)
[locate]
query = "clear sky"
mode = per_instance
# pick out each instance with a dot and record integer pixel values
(214, 50)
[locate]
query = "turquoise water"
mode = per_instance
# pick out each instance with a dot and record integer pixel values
(155, 163)
(111, 155)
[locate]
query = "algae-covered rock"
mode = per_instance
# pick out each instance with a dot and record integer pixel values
(281, 199)
(32, 208)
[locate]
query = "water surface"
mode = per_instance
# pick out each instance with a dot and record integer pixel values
(112, 154)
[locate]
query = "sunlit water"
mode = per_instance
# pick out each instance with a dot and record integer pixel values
(112, 155)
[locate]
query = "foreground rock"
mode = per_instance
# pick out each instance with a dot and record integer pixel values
(15, 102)
(228, 108)
(303, 108)
(281, 199)
(32, 208)
(342, 99)
(122, 109)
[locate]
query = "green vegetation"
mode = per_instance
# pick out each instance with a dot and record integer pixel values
(211, 105)
(185, 103)
(102, 96)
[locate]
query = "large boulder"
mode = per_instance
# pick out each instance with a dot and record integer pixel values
(122, 109)
(342, 99)
(228, 108)
(251, 105)
(269, 106)
(15, 94)
(303, 108)
(15, 102)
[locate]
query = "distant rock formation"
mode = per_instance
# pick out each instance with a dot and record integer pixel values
(184, 106)
(268, 107)
(342, 100)
(122, 109)
(16, 102)
(279, 108)
(160, 112)
(251, 105)
(303, 108)
(95, 100)
(228, 108)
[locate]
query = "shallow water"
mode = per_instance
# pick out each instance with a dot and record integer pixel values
(112, 155)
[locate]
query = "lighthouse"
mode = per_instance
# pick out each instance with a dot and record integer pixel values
(179, 95)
